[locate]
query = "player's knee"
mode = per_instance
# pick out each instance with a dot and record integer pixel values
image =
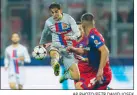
(12, 85)
(78, 75)
(78, 85)
(54, 54)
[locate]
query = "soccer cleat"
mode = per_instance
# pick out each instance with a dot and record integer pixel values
(56, 68)
(62, 79)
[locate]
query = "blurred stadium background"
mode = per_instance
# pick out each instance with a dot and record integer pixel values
(114, 19)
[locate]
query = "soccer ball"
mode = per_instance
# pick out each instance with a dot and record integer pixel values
(39, 52)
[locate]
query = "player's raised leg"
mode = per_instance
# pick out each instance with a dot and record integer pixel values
(55, 61)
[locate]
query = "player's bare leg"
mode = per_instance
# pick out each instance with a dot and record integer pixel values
(72, 73)
(20, 86)
(78, 85)
(12, 85)
(55, 61)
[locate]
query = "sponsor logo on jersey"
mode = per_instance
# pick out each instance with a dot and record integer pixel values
(96, 42)
(64, 25)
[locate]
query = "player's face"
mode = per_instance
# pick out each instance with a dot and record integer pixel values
(80, 28)
(87, 23)
(84, 25)
(56, 13)
(15, 38)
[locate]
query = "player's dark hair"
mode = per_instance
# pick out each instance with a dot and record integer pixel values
(87, 17)
(55, 5)
(16, 33)
(78, 22)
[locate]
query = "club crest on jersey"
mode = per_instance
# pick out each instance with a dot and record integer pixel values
(64, 25)
(61, 28)
(96, 42)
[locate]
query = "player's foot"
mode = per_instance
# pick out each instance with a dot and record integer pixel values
(20, 87)
(64, 76)
(56, 68)
(62, 79)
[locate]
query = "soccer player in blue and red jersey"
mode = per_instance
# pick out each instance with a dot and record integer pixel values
(98, 56)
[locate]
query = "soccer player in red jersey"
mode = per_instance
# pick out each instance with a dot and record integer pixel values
(98, 57)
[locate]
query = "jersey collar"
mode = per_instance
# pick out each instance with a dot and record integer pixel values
(91, 31)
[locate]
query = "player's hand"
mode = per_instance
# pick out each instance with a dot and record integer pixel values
(46, 45)
(80, 57)
(21, 58)
(67, 38)
(70, 49)
(99, 76)
(79, 51)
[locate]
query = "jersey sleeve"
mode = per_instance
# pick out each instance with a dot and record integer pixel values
(26, 56)
(95, 41)
(44, 35)
(6, 59)
(75, 29)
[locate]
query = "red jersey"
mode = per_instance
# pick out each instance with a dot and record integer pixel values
(96, 40)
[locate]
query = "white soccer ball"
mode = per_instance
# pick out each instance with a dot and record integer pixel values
(39, 52)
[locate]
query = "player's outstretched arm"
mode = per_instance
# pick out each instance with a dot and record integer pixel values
(81, 58)
(44, 34)
(26, 56)
(104, 56)
(79, 51)
(6, 60)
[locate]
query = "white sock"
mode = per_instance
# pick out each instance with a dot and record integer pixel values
(53, 61)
